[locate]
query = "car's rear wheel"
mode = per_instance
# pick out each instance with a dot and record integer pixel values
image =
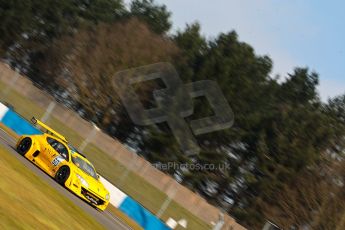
(62, 175)
(24, 146)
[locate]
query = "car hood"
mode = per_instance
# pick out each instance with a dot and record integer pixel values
(95, 186)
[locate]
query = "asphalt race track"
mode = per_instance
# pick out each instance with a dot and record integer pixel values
(108, 220)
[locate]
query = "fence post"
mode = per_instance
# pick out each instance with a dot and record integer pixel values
(50, 108)
(167, 202)
(89, 138)
(128, 169)
(220, 222)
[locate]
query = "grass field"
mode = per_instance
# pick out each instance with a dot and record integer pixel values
(132, 184)
(27, 202)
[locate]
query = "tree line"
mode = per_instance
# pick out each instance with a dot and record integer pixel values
(285, 149)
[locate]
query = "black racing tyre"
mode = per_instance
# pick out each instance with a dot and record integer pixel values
(24, 146)
(62, 174)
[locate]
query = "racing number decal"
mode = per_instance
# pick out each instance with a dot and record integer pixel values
(56, 161)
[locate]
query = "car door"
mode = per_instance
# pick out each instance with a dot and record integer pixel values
(56, 152)
(42, 159)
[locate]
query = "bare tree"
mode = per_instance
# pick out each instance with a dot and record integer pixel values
(84, 63)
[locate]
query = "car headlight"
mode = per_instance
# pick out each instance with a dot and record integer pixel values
(82, 181)
(107, 197)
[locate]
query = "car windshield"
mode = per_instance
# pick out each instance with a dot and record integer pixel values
(83, 165)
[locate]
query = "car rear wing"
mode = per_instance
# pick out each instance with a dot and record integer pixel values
(46, 129)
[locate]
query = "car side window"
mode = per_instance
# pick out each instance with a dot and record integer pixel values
(50, 140)
(59, 147)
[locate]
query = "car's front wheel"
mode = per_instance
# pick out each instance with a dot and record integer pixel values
(24, 146)
(62, 175)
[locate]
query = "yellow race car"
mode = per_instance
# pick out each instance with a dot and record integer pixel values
(51, 152)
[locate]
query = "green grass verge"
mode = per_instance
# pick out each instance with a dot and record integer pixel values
(126, 219)
(27, 202)
(131, 183)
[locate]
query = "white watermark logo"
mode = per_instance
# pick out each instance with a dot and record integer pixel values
(174, 103)
(191, 167)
